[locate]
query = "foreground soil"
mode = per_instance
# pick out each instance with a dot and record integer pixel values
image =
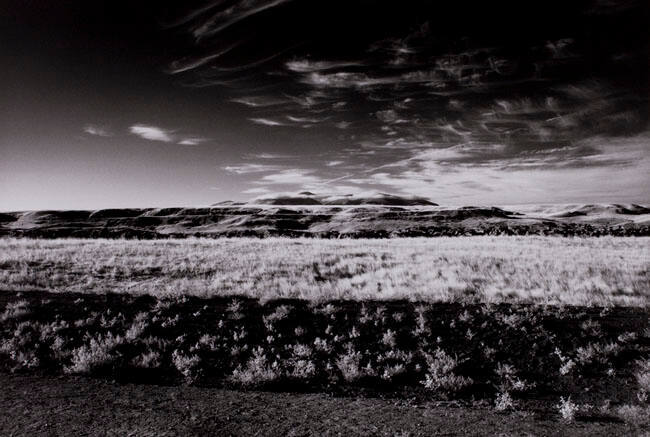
(46, 405)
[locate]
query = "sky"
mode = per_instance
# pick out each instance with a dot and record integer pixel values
(152, 103)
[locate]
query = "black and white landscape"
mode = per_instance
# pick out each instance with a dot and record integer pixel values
(310, 217)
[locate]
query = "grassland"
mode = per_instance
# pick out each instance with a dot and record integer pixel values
(542, 326)
(533, 269)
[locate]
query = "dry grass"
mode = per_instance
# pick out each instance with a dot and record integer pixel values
(553, 270)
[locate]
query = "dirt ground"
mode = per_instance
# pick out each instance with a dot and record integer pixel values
(67, 406)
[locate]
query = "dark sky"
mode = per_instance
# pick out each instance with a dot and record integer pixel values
(153, 103)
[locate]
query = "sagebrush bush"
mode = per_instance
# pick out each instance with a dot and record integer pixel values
(503, 402)
(634, 415)
(187, 365)
(147, 360)
(440, 374)
(643, 379)
(14, 310)
(257, 370)
(508, 380)
(567, 409)
(97, 353)
(303, 369)
(138, 327)
(349, 364)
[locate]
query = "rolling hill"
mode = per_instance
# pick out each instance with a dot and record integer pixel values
(331, 217)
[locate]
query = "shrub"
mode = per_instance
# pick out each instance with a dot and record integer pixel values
(137, 327)
(643, 379)
(14, 310)
(301, 350)
(504, 402)
(350, 364)
(280, 313)
(389, 339)
(567, 409)
(508, 379)
(393, 370)
(596, 353)
(303, 369)
(567, 364)
(257, 371)
(322, 345)
(634, 415)
(440, 376)
(420, 321)
(207, 341)
(96, 354)
(187, 365)
(24, 346)
(147, 360)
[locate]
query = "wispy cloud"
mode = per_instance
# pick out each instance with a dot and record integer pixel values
(291, 177)
(190, 63)
(306, 66)
(260, 101)
(267, 122)
(192, 141)
(99, 131)
(152, 133)
(305, 119)
(232, 15)
(266, 155)
(417, 109)
(257, 190)
(155, 133)
(251, 168)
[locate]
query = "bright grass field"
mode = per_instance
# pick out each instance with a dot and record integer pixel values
(546, 270)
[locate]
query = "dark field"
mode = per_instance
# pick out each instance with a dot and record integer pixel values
(36, 405)
(507, 357)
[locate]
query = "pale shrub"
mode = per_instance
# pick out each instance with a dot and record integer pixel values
(97, 353)
(567, 409)
(187, 365)
(303, 369)
(441, 376)
(137, 327)
(643, 379)
(597, 353)
(147, 360)
(508, 379)
(258, 370)
(350, 364)
(389, 338)
(392, 371)
(14, 310)
(634, 415)
(504, 402)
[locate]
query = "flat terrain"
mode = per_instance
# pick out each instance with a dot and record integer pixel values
(404, 336)
(544, 270)
(37, 405)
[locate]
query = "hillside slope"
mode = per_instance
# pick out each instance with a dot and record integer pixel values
(308, 215)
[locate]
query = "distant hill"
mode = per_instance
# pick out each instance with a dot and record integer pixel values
(306, 214)
(308, 198)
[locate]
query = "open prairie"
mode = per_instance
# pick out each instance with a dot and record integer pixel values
(543, 270)
(540, 326)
